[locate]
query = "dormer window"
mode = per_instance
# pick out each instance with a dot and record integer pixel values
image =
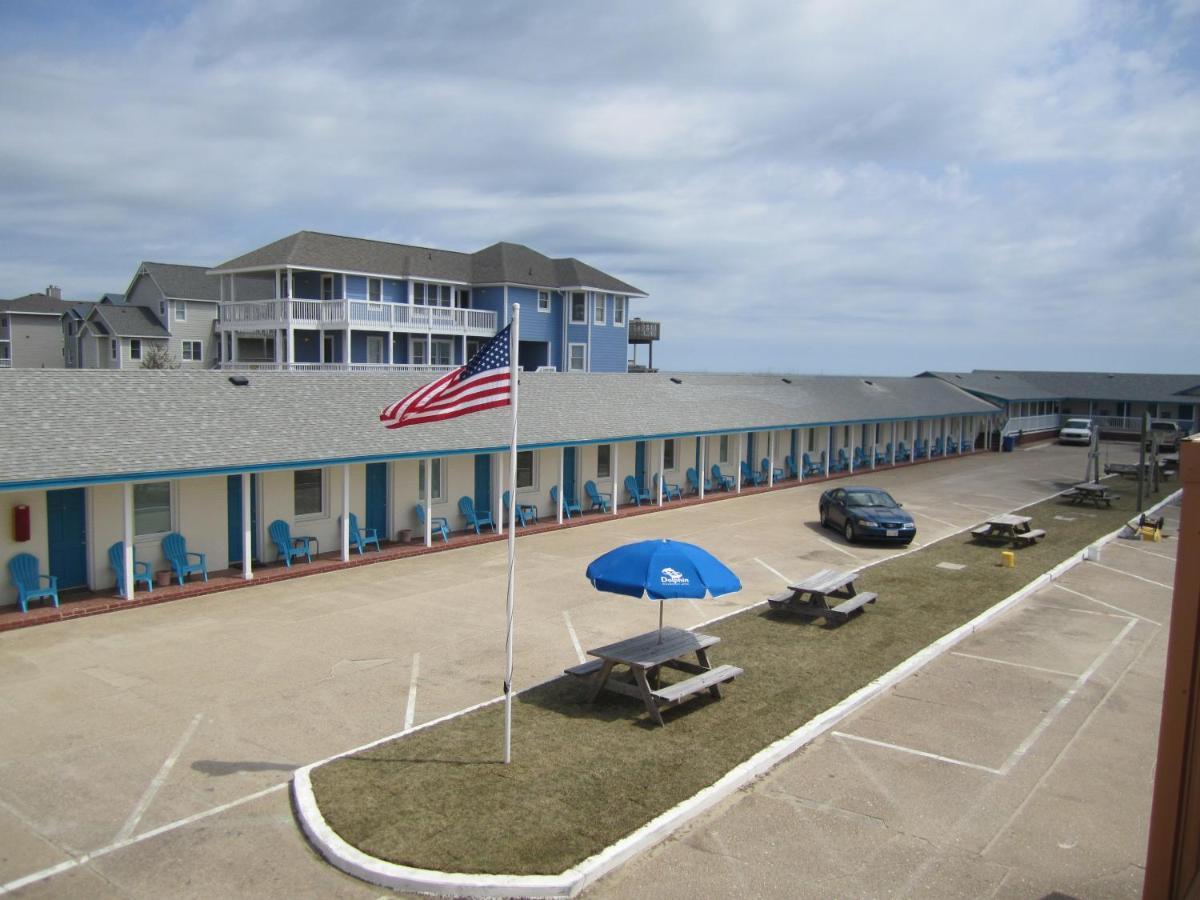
(543, 301)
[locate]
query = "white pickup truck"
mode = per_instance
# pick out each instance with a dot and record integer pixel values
(1076, 431)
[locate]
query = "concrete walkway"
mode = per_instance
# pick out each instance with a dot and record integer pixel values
(1018, 765)
(147, 753)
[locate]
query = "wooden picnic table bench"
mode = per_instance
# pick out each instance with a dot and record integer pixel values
(1091, 491)
(644, 657)
(810, 598)
(1008, 528)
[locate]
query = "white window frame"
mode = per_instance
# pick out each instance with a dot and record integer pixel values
(171, 507)
(323, 512)
(197, 354)
(327, 287)
(571, 357)
(418, 347)
(619, 311)
(437, 465)
(601, 472)
(440, 343)
(599, 313)
(532, 484)
(377, 284)
(282, 283)
(114, 343)
(180, 310)
(543, 301)
(582, 320)
(376, 341)
(135, 348)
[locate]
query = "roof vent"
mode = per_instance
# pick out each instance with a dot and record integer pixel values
(786, 380)
(239, 380)
(677, 381)
(867, 381)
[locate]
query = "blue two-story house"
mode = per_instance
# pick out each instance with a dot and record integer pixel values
(315, 301)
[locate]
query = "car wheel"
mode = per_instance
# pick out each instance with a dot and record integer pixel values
(849, 532)
(824, 518)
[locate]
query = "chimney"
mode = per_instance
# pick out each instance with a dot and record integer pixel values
(53, 290)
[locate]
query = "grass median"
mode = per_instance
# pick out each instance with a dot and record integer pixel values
(583, 777)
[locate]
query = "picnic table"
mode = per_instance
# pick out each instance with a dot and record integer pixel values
(1008, 528)
(643, 658)
(810, 598)
(1091, 491)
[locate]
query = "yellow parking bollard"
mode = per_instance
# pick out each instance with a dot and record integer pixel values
(1008, 559)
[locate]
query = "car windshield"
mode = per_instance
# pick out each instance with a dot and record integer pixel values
(1078, 423)
(869, 498)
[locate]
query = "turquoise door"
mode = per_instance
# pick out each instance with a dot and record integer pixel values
(67, 537)
(640, 463)
(377, 493)
(750, 451)
(569, 473)
(233, 503)
(483, 481)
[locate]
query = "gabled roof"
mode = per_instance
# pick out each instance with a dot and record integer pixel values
(111, 298)
(999, 385)
(129, 321)
(180, 282)
(287, 419)
(502, 263)
(37, 305)
(1127, 386)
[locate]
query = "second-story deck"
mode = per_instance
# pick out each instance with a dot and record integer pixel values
(254, 315)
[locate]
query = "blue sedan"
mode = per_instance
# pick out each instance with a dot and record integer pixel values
(866, 513)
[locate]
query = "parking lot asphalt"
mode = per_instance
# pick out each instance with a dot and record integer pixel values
(147, 752)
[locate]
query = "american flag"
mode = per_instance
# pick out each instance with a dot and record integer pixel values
(483, 383)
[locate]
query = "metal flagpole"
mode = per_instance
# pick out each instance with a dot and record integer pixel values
(513, 349)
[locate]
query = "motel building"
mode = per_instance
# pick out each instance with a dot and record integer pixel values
(90, 459)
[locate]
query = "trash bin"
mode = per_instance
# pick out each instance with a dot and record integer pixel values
(1008, 444)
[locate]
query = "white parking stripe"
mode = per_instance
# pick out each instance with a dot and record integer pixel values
(939, 521)
(1169, 587)
(1016, 665)
(828, 543)
(775, 572)
(1127, 546)
(580, 655)
(1102, 603)
(157, 782)
(887, 746)
(411, 708)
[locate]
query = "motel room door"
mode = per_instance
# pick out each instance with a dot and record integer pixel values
(66, 531)
(377, 493)
(568, 487)
(639, 463)
(483, 481)
(233, 503)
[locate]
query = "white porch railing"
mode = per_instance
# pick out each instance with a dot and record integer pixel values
(5, 354)
(271, 366)
(1132, 424)
(1029, 424)
(245, 315)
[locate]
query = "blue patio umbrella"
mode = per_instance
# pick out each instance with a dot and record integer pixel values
(662, 570)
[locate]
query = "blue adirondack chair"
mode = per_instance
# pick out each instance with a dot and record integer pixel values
(569, 505)
(861, 460)
(790, 462)
(920, 448)
(811, 468)
(670, 491)
(749, 476)
(937, 447)
(141, 570)
(600, 499)
(693, 480)
(951, 444)
(30, 584)
(776, 474)
(842, 463)
(884, 455)
(438, 524)
(636, 492)
(286, 546)
(902, 452)
(474, 518)
(174, 548)
(526, 512)
(361, 536)
(720, 480)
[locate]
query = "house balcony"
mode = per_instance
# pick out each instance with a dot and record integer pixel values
(378, 368)
(266, 315)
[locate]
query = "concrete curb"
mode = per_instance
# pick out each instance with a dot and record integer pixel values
(570, 882)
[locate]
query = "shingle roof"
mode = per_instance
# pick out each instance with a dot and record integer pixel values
(283, 418)
(1000, 385)
(179, 282)
(1128, 386)
(38, 304)
(500, 263)
(129, 321)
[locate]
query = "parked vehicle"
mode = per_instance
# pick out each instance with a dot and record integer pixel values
(1168, 434)
(1076, 431)
(866, 513)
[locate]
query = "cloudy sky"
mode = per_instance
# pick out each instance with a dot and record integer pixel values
(825, 186)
